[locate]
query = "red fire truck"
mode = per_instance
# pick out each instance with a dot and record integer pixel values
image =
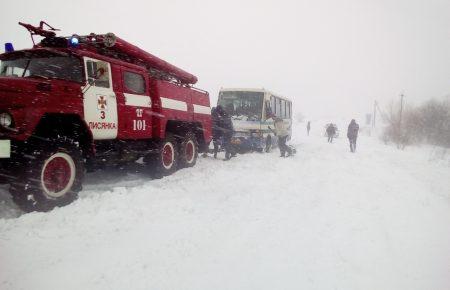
(72, 104)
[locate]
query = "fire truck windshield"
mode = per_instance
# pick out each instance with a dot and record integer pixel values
(242, 105)
(42, 65)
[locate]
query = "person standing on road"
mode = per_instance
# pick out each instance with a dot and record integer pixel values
(226, 126)
(216, 130)
(268, 143)
(308, 127)
(352, 134)
(282, 132)
(331, 131)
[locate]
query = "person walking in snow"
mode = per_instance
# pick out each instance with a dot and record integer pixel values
(308, 127)
(331, 131)
(282, 132)
(352, 134)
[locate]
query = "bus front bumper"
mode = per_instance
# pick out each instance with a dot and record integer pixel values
(249, 141)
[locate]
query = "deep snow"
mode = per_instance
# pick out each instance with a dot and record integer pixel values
(324, 219)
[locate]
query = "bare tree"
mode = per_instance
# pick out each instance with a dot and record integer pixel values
(428, 123)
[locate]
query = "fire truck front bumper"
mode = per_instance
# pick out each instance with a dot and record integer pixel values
(5, 149)
(10, 159)
(249, 141)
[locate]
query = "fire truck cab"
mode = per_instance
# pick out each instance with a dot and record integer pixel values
(76, 103)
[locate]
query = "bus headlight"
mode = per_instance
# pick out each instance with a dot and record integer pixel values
(235, 141)
(5, 120)
(256, 133)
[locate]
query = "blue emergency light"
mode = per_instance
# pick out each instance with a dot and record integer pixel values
(9, 47)
(74, 41)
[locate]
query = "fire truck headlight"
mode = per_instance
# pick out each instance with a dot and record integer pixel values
(74, 41)
(5, 120)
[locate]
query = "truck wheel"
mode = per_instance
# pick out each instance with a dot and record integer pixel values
(188, 151)
(4, 179)
(52, 177)
(165, 161)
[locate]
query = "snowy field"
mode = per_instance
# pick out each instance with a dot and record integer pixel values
(324, 219)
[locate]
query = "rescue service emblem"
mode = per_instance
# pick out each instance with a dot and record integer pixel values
(102, 104)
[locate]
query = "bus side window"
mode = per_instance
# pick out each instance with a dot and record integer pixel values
(286, 115)
(272, 104)
(268, 110)
(277, 107)
(286, 109)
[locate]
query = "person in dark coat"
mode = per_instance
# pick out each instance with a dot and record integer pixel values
(227, 131)
(216, 130)
(308, 127)
(331, 131)
(352, 134)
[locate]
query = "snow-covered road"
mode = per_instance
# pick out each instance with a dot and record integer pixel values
(324, 219)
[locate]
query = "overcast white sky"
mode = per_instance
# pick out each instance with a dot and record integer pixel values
(333, 58)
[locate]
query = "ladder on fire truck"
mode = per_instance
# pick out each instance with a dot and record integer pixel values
(112, 46)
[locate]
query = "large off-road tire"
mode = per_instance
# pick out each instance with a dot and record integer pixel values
(51, 176)
(188, 151)
(4, 179)
(165, 161)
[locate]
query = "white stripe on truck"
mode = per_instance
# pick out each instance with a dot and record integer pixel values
(5, 149)
(138, 100)
(172, 104)
(202, 109)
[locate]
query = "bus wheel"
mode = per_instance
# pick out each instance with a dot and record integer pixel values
(188, 151)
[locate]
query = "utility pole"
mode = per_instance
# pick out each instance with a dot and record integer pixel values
(401, 111)
(400, 144)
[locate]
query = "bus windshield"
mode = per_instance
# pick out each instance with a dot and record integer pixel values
(241, 105)
(42, 65)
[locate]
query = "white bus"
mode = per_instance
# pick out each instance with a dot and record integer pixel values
(251, 111)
